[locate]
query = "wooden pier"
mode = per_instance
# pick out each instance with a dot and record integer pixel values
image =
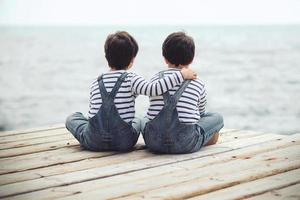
(48, 163)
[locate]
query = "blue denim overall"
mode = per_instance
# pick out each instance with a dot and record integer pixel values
(166, 134)
(106, 131)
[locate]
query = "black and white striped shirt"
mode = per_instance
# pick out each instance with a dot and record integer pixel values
(132, 86)
(190, 105)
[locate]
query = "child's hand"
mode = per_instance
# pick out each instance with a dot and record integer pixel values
(188, 74)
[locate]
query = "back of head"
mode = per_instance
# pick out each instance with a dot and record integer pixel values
(120, 49)
(179, 49)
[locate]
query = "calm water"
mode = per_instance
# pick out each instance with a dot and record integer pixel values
(251, 72)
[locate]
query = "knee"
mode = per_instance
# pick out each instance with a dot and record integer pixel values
(219, 118)
(70, 119)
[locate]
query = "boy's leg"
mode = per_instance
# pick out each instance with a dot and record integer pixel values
(136, 124)
(77, 124)
(210, 124)
(144, 120)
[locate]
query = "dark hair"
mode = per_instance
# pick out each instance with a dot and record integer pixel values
(120, 48)
(179, 49)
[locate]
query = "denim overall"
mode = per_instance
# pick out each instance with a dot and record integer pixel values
(107, 130)
(166, 134)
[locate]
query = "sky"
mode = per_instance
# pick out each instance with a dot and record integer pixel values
(144, 12)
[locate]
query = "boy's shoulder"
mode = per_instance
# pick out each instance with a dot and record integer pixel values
(94, 83)
(113, 76)
(110, 74)
(167, 72)
(131, 74)
(198, 82)
(198, 86)
(156, 76)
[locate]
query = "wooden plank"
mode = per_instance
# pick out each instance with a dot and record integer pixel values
(292, 192)
(200, 181)
(73, 166)
(80, 176)
(236, 135)
(61, 126)
(53, 157)
(178, 177)
(37, 144)
(241, 142)
(29, 136)
(206, 182)
(95, 162)
(60, 138)
(21, 136)
(228, 130)
(37, 148)
(34, 141)
(32, 130)
(146, 164)
(60, 134)
(48, 158)
(255, 187)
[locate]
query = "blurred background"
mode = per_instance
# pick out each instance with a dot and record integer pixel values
(247, 53)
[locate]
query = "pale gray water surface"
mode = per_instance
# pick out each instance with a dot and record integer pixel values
(251, 72)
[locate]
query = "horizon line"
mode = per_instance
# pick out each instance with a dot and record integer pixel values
(150, 24)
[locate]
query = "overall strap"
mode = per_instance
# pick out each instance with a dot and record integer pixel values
(103, 91)
(175, 98)
(117, 86)
(104, 94)
(166, 95)
(172, 100)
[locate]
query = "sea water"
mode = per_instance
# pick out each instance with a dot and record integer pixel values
(252, 73)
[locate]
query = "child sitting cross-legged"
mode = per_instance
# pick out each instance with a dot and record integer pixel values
(176, 121)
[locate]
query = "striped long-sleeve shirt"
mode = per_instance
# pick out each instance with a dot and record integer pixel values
(190, 105)
(132, 86)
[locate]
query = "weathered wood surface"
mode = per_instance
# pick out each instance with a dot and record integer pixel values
(48, 163)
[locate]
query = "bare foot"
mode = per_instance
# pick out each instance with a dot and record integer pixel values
(213, 140)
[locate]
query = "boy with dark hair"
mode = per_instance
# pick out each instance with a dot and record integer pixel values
(176, 121)
(111, 124)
